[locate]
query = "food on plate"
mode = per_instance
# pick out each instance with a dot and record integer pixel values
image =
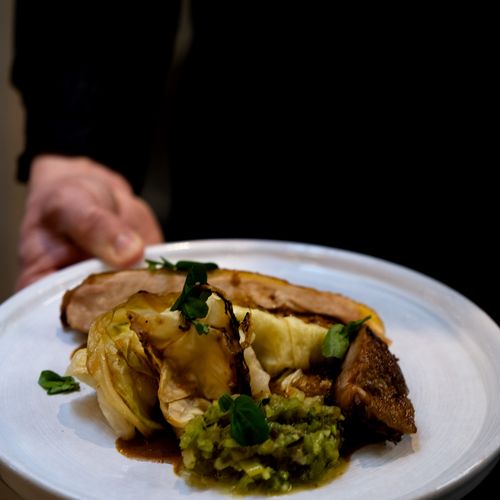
(264, 382)
(101, 292)
(54, 383)
(372, 391)
(303, 443)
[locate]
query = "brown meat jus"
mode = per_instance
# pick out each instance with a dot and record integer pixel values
(101, 292)
(372, 392)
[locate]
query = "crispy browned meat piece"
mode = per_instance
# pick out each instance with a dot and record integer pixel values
(372, 391)
(101, 292)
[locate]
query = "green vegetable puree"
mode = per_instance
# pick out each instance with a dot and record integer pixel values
(303, 445)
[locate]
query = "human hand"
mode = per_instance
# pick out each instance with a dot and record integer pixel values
(75, 209)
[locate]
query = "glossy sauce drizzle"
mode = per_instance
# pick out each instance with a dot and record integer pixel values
(161, 447)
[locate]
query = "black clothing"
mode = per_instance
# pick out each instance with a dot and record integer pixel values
(346, 129)
(91, 75)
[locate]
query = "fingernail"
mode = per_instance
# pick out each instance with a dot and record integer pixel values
(127, 245)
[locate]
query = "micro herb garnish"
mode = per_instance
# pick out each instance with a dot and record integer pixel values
(192, 302)
(181, 265)
(338, 337)
(248, 422)
(55, 384)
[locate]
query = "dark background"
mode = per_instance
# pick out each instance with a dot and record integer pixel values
(352, 131)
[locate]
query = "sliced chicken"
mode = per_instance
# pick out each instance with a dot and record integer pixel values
(101, 292)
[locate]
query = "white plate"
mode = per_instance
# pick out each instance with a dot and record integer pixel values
(448, 351)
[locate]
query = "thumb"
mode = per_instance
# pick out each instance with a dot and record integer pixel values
(103, 234)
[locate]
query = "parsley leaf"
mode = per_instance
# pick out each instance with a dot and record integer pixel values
(181, 265)
(201, 328)
(192, 301)
(226, 402)
(153, 265)
(335, 343)
(55, 384)
(248, 422)
(338, 338)
(186, 265)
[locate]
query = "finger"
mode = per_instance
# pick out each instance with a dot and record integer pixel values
(41, 253)
(101, 233)
(141, 218)
(38, 268)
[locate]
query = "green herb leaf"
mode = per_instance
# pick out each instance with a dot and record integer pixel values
(336, 342)
(192, 302)
(353, 326)
(194, 306)
(201, 328)
(226, 402)
(55, 384)
(153, 265)
(181, 265)
(338, 338)
(186, 265)
(248, 422)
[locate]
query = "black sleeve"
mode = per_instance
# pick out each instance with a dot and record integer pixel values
(90, 75)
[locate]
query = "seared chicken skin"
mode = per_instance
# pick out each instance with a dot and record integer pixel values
(372, 391)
